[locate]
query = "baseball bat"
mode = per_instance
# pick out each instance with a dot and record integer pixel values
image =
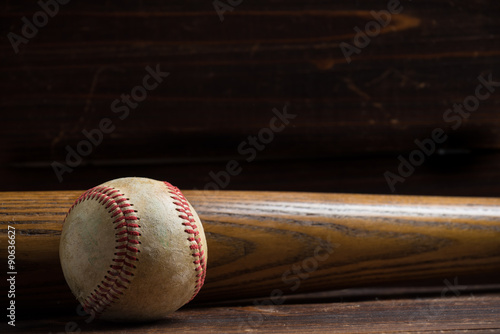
(268, 244)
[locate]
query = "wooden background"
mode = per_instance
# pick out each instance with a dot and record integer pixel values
(353, 119)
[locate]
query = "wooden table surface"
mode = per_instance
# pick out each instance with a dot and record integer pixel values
(452, 308)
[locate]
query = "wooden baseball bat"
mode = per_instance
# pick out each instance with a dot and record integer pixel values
(268, 244)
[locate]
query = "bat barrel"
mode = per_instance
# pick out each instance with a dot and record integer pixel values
(304, 242)
(269, 244)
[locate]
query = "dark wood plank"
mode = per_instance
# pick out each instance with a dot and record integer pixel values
(430, 315)
(454, 174)
(227, 77)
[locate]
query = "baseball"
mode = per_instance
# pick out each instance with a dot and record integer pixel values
(133, 249)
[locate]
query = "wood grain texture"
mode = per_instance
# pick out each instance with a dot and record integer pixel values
(264, 244)
(226, 77)
(463, 314)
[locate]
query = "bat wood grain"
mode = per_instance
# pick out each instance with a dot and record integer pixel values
(265, 244)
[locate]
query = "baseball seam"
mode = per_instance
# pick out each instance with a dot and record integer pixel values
(196, 246)
(127, 236)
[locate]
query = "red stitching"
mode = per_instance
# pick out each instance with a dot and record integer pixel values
(185, 213)
(114, 206)
(114, 283)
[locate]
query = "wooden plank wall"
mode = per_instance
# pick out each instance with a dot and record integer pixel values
(353, 118)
